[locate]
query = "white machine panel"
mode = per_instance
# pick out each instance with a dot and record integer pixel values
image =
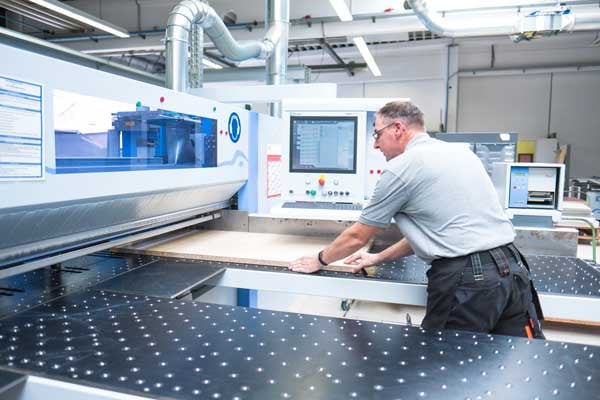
(60, 81)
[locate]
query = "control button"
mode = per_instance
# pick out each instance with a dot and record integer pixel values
(330, 193)
(308, 192)
(313, 192)
(321, 181)
(291, 191)
(162, 99)
(371, 171)
(336, 182)
(307, 180)
(347, 193)
(335, 193)
(378, 171)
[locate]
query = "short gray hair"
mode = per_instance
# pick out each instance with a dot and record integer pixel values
(407, 111)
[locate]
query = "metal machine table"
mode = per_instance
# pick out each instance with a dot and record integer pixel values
(163, 348)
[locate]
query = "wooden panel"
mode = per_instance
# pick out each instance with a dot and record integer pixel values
(241, 247)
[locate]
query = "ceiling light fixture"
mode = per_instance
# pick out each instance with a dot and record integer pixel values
(366, 55)
(341, 9)
(80, 16)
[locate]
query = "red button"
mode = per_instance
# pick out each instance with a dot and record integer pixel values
(378, 171)
(371, 171)
(162, 99)
(321, 181)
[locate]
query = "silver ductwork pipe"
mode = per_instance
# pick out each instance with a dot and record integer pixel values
(277, 14)
(589, 21)
(179, 26)
(434, 22)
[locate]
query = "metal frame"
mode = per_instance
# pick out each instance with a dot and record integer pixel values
(361, 289)
(44, 262)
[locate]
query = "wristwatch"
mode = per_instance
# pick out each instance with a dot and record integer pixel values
(321, 261)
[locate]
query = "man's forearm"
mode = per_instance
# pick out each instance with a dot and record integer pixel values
(395, 251)
(348, 242)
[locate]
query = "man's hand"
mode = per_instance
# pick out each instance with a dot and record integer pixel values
(306, 264)
(362, 259)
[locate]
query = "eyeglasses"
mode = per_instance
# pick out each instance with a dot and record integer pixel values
(377, 132)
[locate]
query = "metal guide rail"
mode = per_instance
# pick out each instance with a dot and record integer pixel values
(162, 348)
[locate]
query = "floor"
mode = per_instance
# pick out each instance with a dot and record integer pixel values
(402, 314)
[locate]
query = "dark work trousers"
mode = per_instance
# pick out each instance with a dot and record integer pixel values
(488, 291)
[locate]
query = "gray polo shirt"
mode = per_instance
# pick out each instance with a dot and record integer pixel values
(441, 198)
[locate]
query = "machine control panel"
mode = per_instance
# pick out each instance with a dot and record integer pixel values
(325, 158)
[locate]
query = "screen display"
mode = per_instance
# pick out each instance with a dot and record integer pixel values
(323, 144)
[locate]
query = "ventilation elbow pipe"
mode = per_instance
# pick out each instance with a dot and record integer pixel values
(179, 26)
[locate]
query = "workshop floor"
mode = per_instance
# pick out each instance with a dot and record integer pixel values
(397, 314)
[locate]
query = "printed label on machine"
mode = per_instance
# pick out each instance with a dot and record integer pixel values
(274, 166)
(21, 150)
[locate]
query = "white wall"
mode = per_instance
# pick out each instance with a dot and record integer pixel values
(544, 92)
(575, 117)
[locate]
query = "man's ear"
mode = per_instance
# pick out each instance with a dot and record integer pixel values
(397, 132)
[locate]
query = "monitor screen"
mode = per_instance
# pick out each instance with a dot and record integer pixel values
(323, 144)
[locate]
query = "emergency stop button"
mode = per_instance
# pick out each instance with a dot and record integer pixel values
(322, 180)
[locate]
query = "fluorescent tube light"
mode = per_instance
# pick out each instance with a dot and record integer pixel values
(341, 9)
(80, 16)
(366, 55)
(211, 64)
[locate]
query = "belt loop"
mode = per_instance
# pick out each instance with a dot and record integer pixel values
(477, 267)
(500, 260)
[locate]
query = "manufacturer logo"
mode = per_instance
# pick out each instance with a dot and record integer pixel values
(235, 127)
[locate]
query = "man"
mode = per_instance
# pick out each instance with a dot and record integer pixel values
(444, 203)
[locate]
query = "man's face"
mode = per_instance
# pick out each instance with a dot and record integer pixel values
(386, 136)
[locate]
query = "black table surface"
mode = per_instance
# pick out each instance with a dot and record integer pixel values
(164, 278)
(188, 350)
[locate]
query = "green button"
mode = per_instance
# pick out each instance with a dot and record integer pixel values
(214, 109)
(313, 192)
(138, 104)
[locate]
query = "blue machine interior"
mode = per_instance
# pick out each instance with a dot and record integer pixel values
(143, 139)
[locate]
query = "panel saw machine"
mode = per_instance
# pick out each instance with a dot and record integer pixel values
(92, 163)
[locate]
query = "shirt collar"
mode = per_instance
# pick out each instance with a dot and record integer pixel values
(419, 138)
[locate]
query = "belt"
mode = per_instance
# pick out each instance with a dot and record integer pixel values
(499, 256)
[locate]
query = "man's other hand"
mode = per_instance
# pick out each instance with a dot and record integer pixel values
(306, 264)
(362, 259)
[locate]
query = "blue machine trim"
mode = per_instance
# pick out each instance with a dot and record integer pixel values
(248, 194)
(247, 298)
(234, 127)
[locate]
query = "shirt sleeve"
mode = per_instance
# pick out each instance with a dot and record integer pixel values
(389, 198)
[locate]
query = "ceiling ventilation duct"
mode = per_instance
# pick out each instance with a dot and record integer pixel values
(188, 13)
(536, 24)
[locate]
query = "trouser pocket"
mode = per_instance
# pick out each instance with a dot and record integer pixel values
(476, 307)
